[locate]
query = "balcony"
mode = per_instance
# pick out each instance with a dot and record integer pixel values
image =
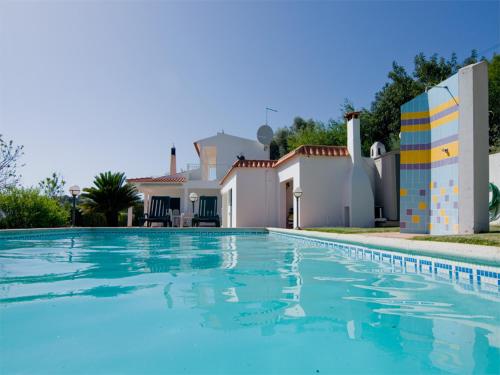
(206, 172)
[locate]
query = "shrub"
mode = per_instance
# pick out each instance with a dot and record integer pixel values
(27, 208)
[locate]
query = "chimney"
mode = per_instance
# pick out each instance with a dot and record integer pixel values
(353, 137)
(173, 162)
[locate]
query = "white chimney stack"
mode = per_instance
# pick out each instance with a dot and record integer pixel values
(359, 208)
(173, 162)
(353, 137)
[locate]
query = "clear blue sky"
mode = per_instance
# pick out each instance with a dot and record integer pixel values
(89, 87)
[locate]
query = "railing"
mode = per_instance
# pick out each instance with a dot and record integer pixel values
(206, 172)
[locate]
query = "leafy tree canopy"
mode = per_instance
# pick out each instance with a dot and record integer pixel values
(52, 186)
(381, 122)
(28, 208)
(494, 102)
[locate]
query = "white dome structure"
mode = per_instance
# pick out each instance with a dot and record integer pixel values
(377, 149)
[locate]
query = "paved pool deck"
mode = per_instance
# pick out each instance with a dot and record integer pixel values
(393, 241)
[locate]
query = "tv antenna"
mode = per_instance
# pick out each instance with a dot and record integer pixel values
(267, 111)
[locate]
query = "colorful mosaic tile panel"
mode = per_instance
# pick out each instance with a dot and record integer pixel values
(429, 161)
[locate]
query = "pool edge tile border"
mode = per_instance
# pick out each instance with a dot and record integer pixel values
(489, 255)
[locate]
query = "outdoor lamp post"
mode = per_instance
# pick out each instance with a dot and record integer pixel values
(297, 192)
(193, 197)
(74, 191)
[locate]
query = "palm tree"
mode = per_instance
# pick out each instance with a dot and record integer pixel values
(110, 195)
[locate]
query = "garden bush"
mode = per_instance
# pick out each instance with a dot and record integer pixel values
(28, 208)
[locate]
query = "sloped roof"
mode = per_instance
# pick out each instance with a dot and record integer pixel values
(254, 163)
(172, 179)
(313, 150)
(304, 150)
(197, 143)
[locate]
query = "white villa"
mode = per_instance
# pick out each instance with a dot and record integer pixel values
(339, 186)
(335, 181)
(216, 155)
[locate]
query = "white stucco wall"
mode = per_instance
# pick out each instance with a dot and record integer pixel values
(254, 197)
(228, 147)
(494, 173)
(259, 194)
(323, 181)
(370, 169)
(386, 189)
(473, 137)
(229, 221)
(359, 205)
(287, 172)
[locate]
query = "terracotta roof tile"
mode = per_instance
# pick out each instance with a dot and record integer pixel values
(305, 150)
(249, 164)
(254, 163)
(312, 150)
(175, 178)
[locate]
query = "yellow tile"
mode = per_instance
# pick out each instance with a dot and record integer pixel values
(415, 219)
(430, 226)
(446, 220)
(403, 192)
(422, 206)
(415, 156)
(442, 191)
(455, 189)
(435, 198)
(441, 107)
(431, 185)
(439, 153)
(442, 212)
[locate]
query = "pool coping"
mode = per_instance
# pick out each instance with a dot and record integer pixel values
(488, 255)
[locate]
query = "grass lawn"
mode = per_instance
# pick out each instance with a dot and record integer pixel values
(343, 230)
(488, 239)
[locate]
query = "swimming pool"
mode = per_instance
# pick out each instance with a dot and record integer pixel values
(156, 301)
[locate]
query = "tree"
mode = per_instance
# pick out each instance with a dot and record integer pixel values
(109, 195)
(279, 144)
(9, 157)
(27, 208)
(53, 186)
(310, 132)
(382, 121)
(494, 102)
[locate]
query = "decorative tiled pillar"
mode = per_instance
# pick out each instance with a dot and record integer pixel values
(444, 149)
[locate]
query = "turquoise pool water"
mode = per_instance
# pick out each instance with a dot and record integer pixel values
(150, 302)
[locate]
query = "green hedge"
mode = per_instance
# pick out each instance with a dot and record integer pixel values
(28, 208)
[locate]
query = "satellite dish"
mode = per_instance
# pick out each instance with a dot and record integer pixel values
(265, 135)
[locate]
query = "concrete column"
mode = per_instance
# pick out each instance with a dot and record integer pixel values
(474, 144)
(185, 203)
(146, 203)
(130, 216)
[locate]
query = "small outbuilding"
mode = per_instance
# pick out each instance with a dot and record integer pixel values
(337, 186)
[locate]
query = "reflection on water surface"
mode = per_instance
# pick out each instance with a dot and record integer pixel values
(287, 296)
